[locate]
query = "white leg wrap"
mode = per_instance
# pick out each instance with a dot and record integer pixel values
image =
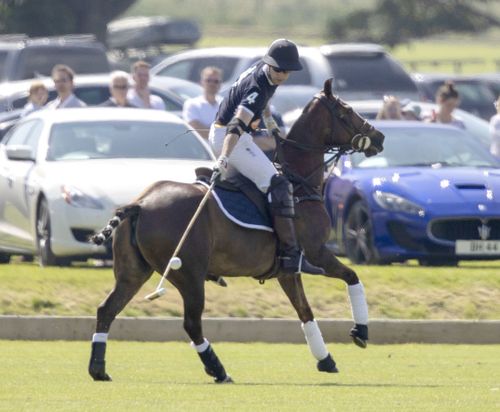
(358, 303)
(315, 340)
(100, 337)
(202, 347)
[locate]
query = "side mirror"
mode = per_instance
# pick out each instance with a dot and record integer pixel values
(19, 152)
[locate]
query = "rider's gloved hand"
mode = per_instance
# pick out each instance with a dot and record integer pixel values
(220, 168)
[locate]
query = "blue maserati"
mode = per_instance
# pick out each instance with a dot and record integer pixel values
(433, 194)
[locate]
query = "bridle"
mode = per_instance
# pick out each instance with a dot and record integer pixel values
(340, 112)
(359, 142)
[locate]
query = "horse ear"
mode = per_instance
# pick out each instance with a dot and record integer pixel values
(327, 87)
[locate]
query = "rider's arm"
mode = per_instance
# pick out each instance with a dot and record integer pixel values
(271, 125)
(242, 115)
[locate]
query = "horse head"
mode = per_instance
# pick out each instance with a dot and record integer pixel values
(338, 126)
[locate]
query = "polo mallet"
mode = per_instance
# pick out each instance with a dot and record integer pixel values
(175, 262)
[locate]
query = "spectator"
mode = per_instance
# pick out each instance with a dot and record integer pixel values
(63, 79)
(448, 99)
(390, 110)
(140, 95)
(199, 112)
(118, 88)
(495, 130)
(411, 111)
(37, 98)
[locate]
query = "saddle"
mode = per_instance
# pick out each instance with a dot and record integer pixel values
(240, 200)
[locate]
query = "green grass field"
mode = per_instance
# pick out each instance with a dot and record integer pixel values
(52, 376)
(470, 291)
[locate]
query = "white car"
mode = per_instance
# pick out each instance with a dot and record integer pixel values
(235, 60)
(64, 172)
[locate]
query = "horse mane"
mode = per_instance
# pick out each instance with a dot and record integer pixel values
(327, 92)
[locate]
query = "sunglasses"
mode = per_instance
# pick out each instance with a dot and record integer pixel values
(214, 81)
(277, 70)
(120, 86)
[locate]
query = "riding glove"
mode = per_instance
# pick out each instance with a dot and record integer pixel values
(220, 168)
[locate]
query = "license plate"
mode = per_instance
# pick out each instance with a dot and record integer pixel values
(477, 247)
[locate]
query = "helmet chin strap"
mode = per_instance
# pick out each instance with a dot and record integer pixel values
(267, 71)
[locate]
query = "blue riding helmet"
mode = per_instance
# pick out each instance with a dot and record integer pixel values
(283, 54)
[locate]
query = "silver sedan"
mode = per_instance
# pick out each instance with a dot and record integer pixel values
(63, 172)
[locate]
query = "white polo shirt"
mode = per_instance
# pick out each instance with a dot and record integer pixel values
(200, 109)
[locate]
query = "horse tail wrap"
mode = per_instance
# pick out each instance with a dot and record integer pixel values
(121, 214)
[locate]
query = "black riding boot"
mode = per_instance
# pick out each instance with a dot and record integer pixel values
(292, 260)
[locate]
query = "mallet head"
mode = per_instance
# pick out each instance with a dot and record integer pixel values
(156, 294)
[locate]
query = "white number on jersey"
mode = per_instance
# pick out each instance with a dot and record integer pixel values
(252, 97)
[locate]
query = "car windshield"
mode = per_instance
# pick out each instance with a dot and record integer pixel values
(472, 93)
(40, 61)
(186, 90)
(368, 72)
(3, 59)
(123, 139)
(421, 146)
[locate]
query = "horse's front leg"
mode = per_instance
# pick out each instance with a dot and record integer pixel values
(355, 289)
(315, 218)
(292, 285)
(193, 295)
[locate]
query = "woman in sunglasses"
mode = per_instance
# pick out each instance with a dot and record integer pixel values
(230, 135)
(118, 88)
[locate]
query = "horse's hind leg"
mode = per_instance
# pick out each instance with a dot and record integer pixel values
(355, 289)
(131, 271)
(193, 295)
(292, 285)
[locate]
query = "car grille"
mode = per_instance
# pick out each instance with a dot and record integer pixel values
(466, 229)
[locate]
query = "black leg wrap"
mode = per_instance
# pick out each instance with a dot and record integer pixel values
(327, 365)
(97, 364)
(359, 334)
(213, 366)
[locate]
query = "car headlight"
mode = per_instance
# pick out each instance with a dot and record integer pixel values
(397, 203)
(75, 197)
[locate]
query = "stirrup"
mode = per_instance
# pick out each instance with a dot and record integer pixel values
(297, 264)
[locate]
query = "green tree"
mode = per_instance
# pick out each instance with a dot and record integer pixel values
(56, 17)
(393, 22)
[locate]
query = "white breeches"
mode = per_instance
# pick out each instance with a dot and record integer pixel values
(246, 157)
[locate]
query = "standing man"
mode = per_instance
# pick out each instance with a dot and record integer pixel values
(63, 76)
(140, 95)
(230, 135)
(199, 112)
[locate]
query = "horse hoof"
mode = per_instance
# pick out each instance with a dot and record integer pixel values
(327, 365)
(359, 335)
(98, 373)
(227, 379)
(102, 378)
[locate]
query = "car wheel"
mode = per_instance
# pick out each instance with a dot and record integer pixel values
(43, 234)
(4, 258)
(358, 236)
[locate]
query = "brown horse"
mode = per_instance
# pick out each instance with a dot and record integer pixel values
(149, 229)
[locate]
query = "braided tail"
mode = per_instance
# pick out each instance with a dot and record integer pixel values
(120, 215)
